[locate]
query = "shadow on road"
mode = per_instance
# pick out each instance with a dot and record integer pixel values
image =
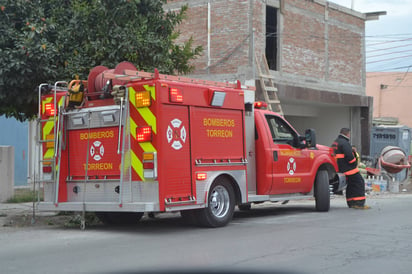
(170, 222)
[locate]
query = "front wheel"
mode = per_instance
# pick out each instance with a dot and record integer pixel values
(221, 205)
(322, 192)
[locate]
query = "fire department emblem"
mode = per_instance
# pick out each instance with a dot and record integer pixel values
(291, 167)
(97, 150)
(176, 134)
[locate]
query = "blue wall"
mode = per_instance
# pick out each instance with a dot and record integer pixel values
(15, 133)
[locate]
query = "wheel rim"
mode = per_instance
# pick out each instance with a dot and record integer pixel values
(219, 201)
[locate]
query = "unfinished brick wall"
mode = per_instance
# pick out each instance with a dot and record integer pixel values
(229, 43)
(317, 41)
(322, 42)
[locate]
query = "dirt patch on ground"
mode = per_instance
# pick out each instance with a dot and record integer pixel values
(21, 215)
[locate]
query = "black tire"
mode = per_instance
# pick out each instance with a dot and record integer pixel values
(189, 216)
(322, 192)
(119, 218)
(221, 205)
(244, 207)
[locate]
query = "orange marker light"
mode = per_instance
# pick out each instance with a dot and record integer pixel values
(143, 99)
(201, 176)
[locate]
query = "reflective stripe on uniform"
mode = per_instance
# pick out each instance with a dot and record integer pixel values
(356, 198)
(354, 160)
(340, 156)
(351, 172)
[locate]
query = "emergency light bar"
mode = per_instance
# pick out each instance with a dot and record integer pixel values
(49, 109)
(260, 105)
(143, 99)
(144, 134)
(175, 95)
(218, 98)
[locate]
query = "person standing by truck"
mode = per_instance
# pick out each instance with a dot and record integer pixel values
(347, 164)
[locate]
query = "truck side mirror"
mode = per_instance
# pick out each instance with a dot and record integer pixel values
(310, 137)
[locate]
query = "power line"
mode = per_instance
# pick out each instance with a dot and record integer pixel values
(388, 53)
(396, 68)
(401, 46)
(392, 41)
(389, 59)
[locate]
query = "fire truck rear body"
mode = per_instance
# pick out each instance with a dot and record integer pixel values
(173, 144)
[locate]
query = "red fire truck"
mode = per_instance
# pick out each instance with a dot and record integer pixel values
(141, 142)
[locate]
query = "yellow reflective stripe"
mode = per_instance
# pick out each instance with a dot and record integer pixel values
(148, 117)
(48, 126)
(44, 102)
(49, 154)
(137, 165)
(147, 147)
(152, 90)
(132, 96)
(133, 127)
(145, 112)
(61, 101)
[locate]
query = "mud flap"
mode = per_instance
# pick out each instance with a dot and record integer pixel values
(339, 183)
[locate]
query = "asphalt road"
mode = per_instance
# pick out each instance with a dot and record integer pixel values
(271, 238)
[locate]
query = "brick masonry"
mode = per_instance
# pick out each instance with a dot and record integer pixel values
(318, 41)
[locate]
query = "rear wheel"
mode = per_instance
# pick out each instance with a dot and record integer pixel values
(221, 205)
(189, 216)
(244, 207)
(322, 192)
(119, 218)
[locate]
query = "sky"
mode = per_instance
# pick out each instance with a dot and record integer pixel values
(389, 39)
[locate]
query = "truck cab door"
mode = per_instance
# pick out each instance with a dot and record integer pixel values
(291, 164)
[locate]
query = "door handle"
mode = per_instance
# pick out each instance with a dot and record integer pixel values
(275, 156)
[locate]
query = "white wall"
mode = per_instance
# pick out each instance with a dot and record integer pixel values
(6, 173)
(327, 121)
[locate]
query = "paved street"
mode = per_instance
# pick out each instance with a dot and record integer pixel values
(290, 238)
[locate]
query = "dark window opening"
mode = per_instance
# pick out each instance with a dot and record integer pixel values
(271, 36)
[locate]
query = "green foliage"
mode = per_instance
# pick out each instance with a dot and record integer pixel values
(25, 195)
(50, 40)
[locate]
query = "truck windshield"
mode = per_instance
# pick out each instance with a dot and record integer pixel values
(281, 132)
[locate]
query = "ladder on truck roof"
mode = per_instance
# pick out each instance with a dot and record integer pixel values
(134, 75)
(267, 85)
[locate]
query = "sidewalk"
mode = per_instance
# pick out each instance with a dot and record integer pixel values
(20, 214)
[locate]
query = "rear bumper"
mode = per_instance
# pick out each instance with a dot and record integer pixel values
(99, 207)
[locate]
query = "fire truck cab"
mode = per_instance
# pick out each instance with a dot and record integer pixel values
(146, 142)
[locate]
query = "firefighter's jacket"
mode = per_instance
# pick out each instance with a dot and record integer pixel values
(346, 160)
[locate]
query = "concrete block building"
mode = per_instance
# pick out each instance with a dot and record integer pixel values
(315, 51)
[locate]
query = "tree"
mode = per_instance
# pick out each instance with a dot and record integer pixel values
(49, 40)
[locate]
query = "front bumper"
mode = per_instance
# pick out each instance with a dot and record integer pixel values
(339, 183)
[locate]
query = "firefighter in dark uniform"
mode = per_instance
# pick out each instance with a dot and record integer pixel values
(348, 164)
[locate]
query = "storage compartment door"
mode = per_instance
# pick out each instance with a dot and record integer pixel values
(175, 183)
